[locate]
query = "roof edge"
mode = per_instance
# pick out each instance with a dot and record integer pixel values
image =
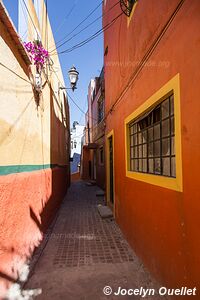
(7, 22)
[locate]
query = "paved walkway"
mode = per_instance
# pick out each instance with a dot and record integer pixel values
(85, 253)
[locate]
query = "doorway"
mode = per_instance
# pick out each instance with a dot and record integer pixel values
(110, 169)
(95, 165)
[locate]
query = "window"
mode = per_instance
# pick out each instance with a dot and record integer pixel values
(101, 156)
(152, 141)
(153, 156)
(100, 110)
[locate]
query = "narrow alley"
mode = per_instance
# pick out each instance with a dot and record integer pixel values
(99, 149)
(84, 253)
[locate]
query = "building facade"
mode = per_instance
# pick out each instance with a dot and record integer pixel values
(34, 144)
(76, 144)
(93, 152)
(152, 132)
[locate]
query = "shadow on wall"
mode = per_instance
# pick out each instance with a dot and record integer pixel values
(59, 158)
(29, 202)
(60, 179)
(7, 277)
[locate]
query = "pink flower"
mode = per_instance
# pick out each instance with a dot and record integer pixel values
(37, 53)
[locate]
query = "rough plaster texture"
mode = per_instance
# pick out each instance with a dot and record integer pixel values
(164, 221)
(28, 202)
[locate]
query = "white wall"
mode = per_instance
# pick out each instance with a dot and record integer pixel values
(76, 136)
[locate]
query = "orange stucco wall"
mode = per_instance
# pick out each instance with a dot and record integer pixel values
(86, 157)
(162, 225)
(28, 203)
(75, 176)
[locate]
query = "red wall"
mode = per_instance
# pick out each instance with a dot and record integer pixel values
(39, 194)
(161, 225)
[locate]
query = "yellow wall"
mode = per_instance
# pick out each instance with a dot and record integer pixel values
(28, 134)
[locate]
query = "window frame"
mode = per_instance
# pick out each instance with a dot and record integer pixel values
(100, 109)
(149, 136)
(174, 183)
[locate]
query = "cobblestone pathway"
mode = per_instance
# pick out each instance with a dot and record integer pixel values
(84, 253)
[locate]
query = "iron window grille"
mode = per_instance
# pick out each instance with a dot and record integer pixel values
(100, 110)
(127, 6)
(152, 141)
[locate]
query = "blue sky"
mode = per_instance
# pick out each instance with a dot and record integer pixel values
(64, 17)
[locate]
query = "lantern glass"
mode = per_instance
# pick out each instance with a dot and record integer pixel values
(73, 78)
(73, 75)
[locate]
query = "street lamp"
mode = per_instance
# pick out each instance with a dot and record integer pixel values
(73, 78)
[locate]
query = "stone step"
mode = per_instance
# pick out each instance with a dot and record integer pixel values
(105, 211)
(100, 193)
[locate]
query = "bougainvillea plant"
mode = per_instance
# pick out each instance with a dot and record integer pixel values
(37, 53)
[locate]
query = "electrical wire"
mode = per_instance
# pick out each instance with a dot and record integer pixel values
(81, 110)
(134, 74)
(84, 113)
(46, 21)
(14, 73)
(76, 34)
(46, 29)
(85, 107)
(86, 27)
(143, 60)
(26, 19)
(95, 35)
(87, 17)
(67, 92)
(30, 17)
(73, 101)
(146, 57)
(106, 27)
(65, 18)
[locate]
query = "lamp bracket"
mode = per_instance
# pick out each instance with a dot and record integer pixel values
(70, 88)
